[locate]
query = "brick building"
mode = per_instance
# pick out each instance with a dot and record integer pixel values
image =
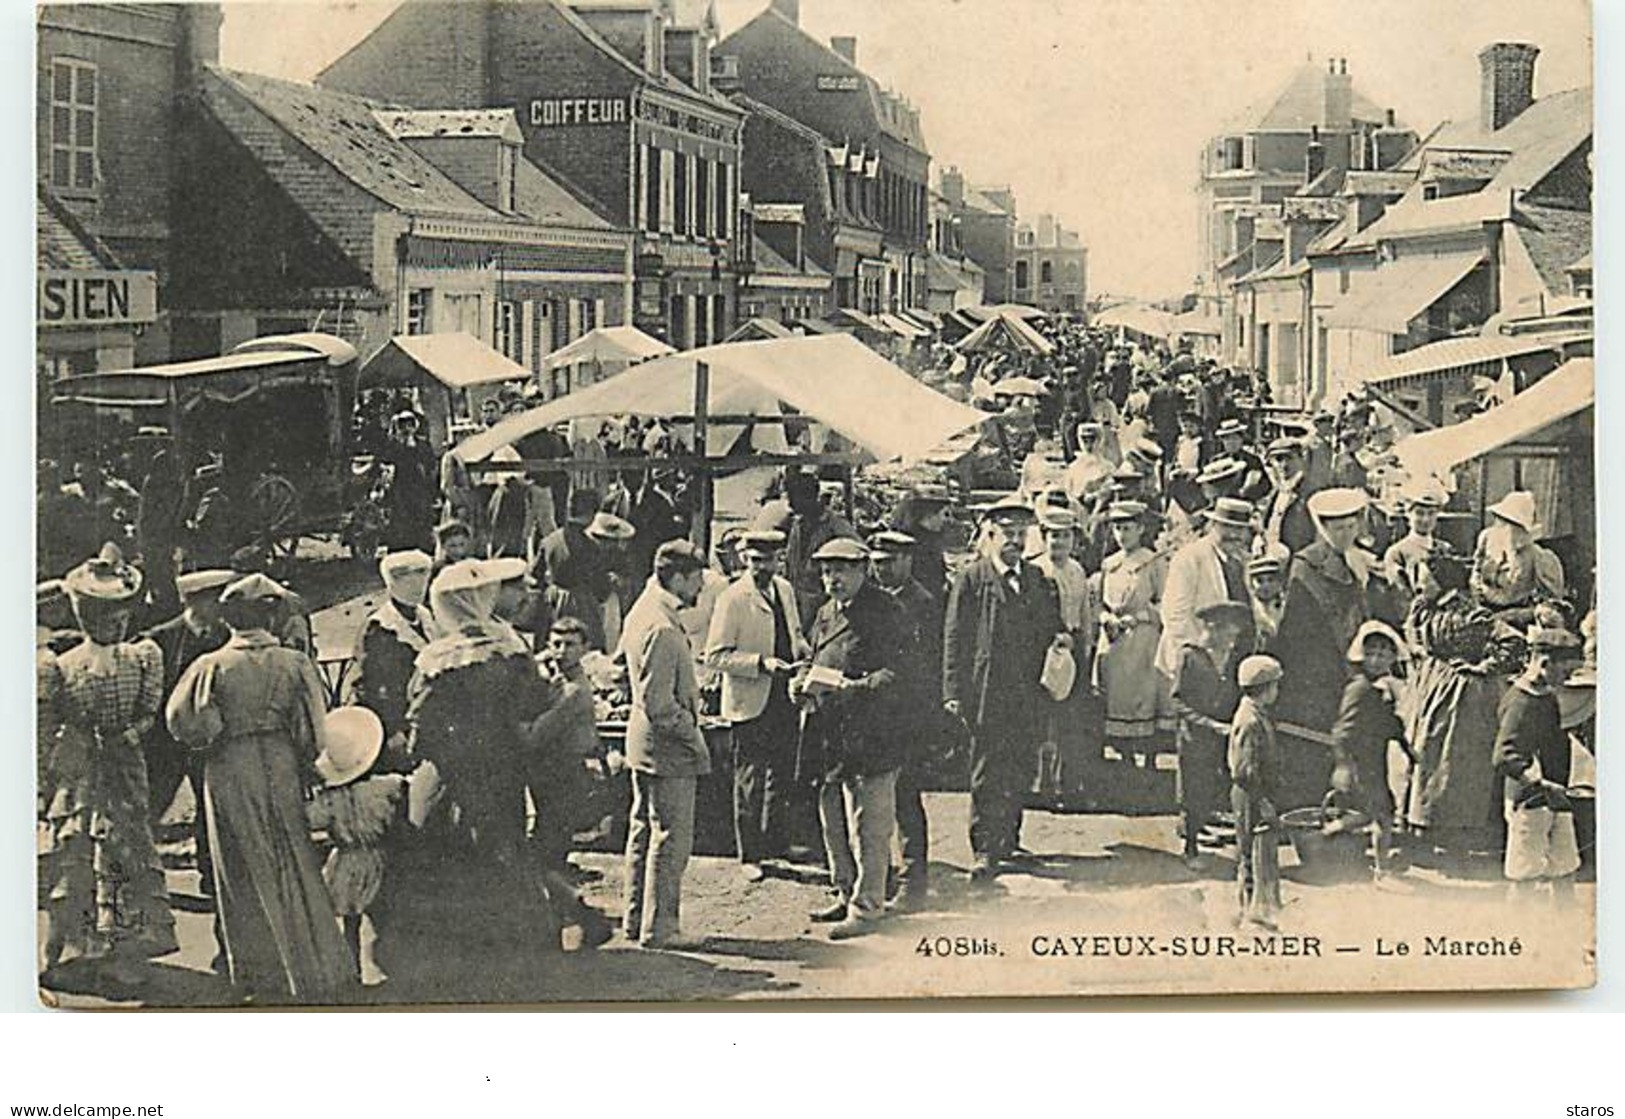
(612, 99)
(303, 208)
(107, 77)
(780, 280)
(986, 220)
(877, 164)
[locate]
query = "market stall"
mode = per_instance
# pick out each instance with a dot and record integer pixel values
(600, 353)
(1005, 333)
(451, 375)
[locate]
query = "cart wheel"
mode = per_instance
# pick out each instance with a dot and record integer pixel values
(275, 505)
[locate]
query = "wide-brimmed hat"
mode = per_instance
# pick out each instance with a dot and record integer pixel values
(257, 587)
(1257, 670)
(1340, 501)
(1221, 470)
(195, 583)
(1232, 426)
(1517, 507)
(1230, 511)
(445, 530)
(1126, 511)
(1057, 518)
(107, 577)
(1283, 445)
(1375, 627)
(1259, 566)
(396, 564)
(354, 737)
(842, 549)
(1010, 507)
(471, 573)
(607, 526)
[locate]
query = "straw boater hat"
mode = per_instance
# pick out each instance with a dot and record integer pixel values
(1232, 426)
(1517, 507)
(354, 736)
(1010, 507)
(1284, 445)
(1220, 470)
(1231, 511)
(1054, 518)
(404, 563)
(1259, 566)
(195, 583)
(105, 578)
(1126, 511)
(607, 526)
(1375, 627)
(1258, 670)
(257, 587)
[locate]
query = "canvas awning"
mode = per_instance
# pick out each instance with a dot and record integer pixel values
(1462, 353)
(901, 326)
(1566, 391)
(1006, 328)
(1141, 319)
(609, 345)
(756, 329)
(833, 379)
(1389, 298)
(457, 360)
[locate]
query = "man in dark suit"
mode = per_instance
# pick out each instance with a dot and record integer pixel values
(196, 630)
(851, 739)
(1002, 617)
(575, 570)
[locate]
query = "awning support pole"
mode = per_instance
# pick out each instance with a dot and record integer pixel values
(702, 476)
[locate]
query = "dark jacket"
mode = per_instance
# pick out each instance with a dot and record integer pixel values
(1365, 724)
(1531, 732)
(181, 645)
(856, 732)
(993, 648)
(920, 673)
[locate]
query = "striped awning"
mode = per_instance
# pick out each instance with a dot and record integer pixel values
(1463, 353)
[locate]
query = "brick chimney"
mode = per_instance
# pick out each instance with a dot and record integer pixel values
(1314, 156)
(953, 187)
(846, 46)
(202, 35)
(1046, 231)
(789, 9)
(1506, 82)
(1339, 92)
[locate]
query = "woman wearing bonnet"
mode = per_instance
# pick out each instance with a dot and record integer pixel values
(1509, 568)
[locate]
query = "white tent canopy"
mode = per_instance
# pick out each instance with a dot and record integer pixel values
(457, 360)
(609, 345)
(831, 379)
(1009, 328)
(1569, 389)
(1137, 317)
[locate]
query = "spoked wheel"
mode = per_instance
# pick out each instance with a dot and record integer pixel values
(273, 503)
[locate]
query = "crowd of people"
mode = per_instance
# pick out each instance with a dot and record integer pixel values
(1176, 572)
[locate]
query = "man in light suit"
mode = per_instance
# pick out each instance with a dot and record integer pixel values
(754, 643)
(665, 748)
(1210, 569)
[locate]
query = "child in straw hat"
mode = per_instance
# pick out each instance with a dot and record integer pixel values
(358, 808)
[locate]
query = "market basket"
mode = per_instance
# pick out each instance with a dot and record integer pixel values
(1338, 855)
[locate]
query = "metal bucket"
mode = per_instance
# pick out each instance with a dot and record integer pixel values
(1340, 857)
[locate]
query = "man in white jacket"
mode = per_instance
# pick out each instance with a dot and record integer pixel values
(754, 643)
(1210, 569)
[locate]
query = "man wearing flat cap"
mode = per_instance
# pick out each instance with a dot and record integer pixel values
(1002, 617)
(851, 739)
(754, 643)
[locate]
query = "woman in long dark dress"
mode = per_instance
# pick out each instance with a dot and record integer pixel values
(1205, 696)
(255, 707)
(464, 913)
(101, 883)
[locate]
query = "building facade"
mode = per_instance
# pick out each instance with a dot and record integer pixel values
(367, 222)
(986, 221)
(1050, 267)
(878, 163)
(106, 79)
(614, 101)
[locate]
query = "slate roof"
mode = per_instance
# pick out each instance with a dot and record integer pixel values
(1301, 104)
(424, 124)
(1556, 239)
(770, 263)
(315, 142)
(62, 242)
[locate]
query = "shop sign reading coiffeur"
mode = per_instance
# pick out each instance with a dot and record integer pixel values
(556, 112)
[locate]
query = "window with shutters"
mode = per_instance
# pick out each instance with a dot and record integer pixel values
(649, 169)
(668, 191)
(684, 198)
(704, 198)
(73, 124)
(417, 311)
(507, 330)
